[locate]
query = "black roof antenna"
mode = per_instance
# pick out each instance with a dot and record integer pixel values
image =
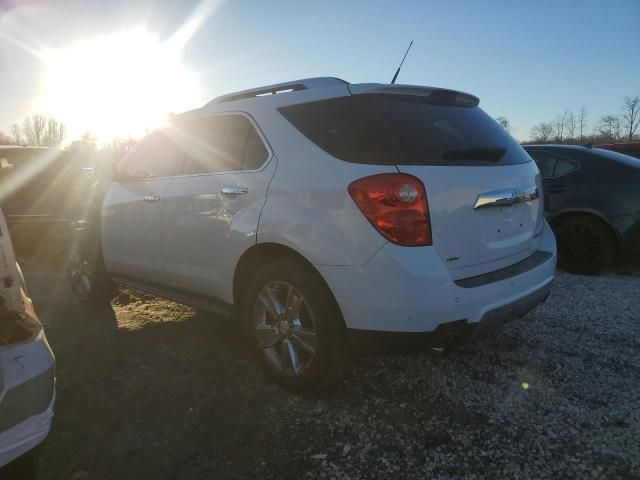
(398, 71)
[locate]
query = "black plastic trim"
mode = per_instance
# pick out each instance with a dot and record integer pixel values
(525, 265)
(180, 295)
(27, 399)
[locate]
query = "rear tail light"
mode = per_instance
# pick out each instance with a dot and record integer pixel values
(396, 205)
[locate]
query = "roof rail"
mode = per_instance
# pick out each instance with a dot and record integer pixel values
(305, 84)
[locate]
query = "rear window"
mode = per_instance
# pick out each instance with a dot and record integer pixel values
(404, 130)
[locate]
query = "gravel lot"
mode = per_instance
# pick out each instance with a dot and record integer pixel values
(149, 389)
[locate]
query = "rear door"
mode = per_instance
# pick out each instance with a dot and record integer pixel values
(559, 178)
(132, 209)
(211, 211)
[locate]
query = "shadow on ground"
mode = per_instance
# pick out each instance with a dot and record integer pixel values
(151, 389)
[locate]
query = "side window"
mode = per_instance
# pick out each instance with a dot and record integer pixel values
(564, 166)
(552, 165)
(224, 143)
(546, 163)
(157, 155)
(255, 153)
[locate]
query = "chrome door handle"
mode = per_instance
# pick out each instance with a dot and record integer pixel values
(235, 190)
(151, 198)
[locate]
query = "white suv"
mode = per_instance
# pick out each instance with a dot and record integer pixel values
(329, 215)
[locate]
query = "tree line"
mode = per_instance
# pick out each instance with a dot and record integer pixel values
(36, 131)
(567, 127)
(570, 127)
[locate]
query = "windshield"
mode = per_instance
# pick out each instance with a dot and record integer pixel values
(404, 130)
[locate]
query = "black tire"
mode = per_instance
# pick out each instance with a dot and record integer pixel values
(87, 274)
(317, 311)
(586, 245)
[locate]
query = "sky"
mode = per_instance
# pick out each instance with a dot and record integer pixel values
(119, 67)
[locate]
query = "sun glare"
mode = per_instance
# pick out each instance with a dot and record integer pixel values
(118, 85)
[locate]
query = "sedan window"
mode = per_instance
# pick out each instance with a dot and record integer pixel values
(563, 167)
(545, 162)
(552, 165)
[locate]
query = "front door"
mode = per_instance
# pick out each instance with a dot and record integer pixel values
(132, 210)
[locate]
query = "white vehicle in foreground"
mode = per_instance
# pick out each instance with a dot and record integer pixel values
(331, 216)
(27, 381)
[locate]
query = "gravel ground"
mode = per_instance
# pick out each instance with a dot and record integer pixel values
(149, 389)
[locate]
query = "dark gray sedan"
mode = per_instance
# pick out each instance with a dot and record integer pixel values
(592, 201)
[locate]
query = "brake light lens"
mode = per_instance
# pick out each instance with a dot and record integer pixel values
(396, 205)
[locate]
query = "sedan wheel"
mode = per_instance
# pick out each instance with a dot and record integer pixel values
(585, 245)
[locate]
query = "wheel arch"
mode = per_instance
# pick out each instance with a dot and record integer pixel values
(557, 220)
(261, 254)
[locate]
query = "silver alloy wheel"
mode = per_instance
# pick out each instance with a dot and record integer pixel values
(80, 275)
(285, 327)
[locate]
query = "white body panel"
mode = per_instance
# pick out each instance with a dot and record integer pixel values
(132, 228)
(26, 435)
(206, 232)
(475, 241)
(34, 357)
(411, 290)
(28, 363)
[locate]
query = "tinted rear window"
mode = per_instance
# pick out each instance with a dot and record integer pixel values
(404, 130)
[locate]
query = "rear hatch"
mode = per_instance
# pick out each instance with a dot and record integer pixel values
(482, 187)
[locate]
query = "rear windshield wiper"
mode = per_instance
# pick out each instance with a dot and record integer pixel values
(487, 154)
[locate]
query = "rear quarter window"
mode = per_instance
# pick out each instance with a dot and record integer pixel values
(404, 130)
(553, 165)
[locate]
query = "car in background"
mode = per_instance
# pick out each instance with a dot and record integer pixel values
(632, 149)
(592, 201)
(27, 382)
(41, 191)
(328, 215)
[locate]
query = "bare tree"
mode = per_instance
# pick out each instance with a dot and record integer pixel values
(542, 132)
(610, 126)
(631, 114)
(54, 133)
(617, 127)
(17, 134)
(559, 124)
(570, 124)
(33, 128)
(582, 122)
(505, 123)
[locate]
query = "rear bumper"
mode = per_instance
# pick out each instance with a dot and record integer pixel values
(410, 290)
(25, 436)
(27, 396)
(372, 341)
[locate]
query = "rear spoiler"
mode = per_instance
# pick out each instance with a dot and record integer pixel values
(437, 96)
